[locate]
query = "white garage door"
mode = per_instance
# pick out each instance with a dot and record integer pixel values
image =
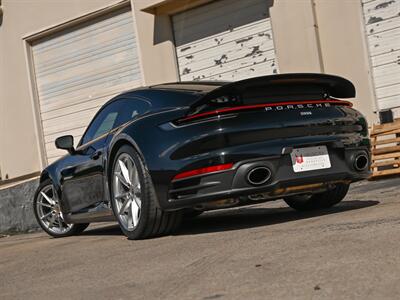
(382, 18)
(79, 69)
(225, 40)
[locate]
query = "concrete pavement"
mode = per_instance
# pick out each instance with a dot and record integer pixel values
(266, 251)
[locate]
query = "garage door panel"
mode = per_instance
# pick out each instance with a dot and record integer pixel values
(238, 36)
(86, 57)
(79, 69)
(77, 49)
(387, 75)
(65, 123)
(211, 10)
(381, 10)
(88, 87)
(389, 102)
(85, 31)
(230, 52)
(254, 11)
(389, 91)
(382, 26)
(54, 83)
(82, 106)
(79, 118)
(189, 25)
(93, 81)
(244, 72)
(384, 42)
(85, 96)
(232, 65)
(386, 58)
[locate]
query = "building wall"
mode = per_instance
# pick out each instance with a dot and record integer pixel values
(156, 44)
(295, 36)
(325, 36)
(309, 36)
(343, 48)
(20, 154)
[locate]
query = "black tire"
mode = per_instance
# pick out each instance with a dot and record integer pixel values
(318, 201)
(75, 229)
(153, 221)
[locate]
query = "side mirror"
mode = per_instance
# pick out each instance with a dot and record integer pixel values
(66, 142)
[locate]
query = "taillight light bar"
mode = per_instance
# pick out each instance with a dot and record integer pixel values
(203, 171)
(257, 106)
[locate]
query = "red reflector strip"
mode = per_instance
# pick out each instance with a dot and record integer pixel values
(255, 106)
(202, 171)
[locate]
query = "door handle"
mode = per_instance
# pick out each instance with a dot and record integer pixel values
(96, 155)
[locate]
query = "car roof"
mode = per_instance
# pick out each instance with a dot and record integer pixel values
(194, 88)
(191, 86)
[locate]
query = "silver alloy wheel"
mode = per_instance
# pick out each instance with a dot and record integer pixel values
(49, 212)
(127, 192)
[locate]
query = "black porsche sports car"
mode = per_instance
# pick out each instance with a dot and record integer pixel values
(153, 155)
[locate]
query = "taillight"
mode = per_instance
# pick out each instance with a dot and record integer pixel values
(203, 171)
(214, 114)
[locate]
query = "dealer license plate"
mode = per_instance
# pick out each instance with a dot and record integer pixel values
(310, 158)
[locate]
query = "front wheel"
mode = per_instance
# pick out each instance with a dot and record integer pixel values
(48, 214)
(318, 201)
(133, 199)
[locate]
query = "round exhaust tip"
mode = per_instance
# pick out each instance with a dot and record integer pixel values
(258, 175)
(361, 162)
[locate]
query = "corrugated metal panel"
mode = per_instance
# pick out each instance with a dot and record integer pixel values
(225, 40)
(79, 69)
(382, 23)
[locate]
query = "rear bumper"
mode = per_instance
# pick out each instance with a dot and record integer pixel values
(283, 181)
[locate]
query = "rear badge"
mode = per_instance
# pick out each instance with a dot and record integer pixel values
(305, 113)
(297, 106)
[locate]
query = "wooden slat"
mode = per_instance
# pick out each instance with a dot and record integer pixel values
(386, 141)
(386, 172)
(381, 126)
(391, 128)
(386, 150)
(393, 131)
(392, 162)
(385, 156)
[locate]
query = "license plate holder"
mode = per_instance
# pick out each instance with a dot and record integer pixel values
(310, 159)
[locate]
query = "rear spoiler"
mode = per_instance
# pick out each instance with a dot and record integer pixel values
(334, 86)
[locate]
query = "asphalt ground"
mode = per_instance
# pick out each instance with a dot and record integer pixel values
(265, 251)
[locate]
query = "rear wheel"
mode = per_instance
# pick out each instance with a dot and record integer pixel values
(48, 214)
(133, 199)
(318, 201)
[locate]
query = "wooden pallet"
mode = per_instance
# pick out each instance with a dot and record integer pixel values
(385, 139)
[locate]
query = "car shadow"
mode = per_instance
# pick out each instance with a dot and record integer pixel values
(241, 218)
(250, 217)
(102, 229)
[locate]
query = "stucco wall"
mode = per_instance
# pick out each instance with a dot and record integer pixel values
(343, 48)
(295, 36)
(156, 44)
